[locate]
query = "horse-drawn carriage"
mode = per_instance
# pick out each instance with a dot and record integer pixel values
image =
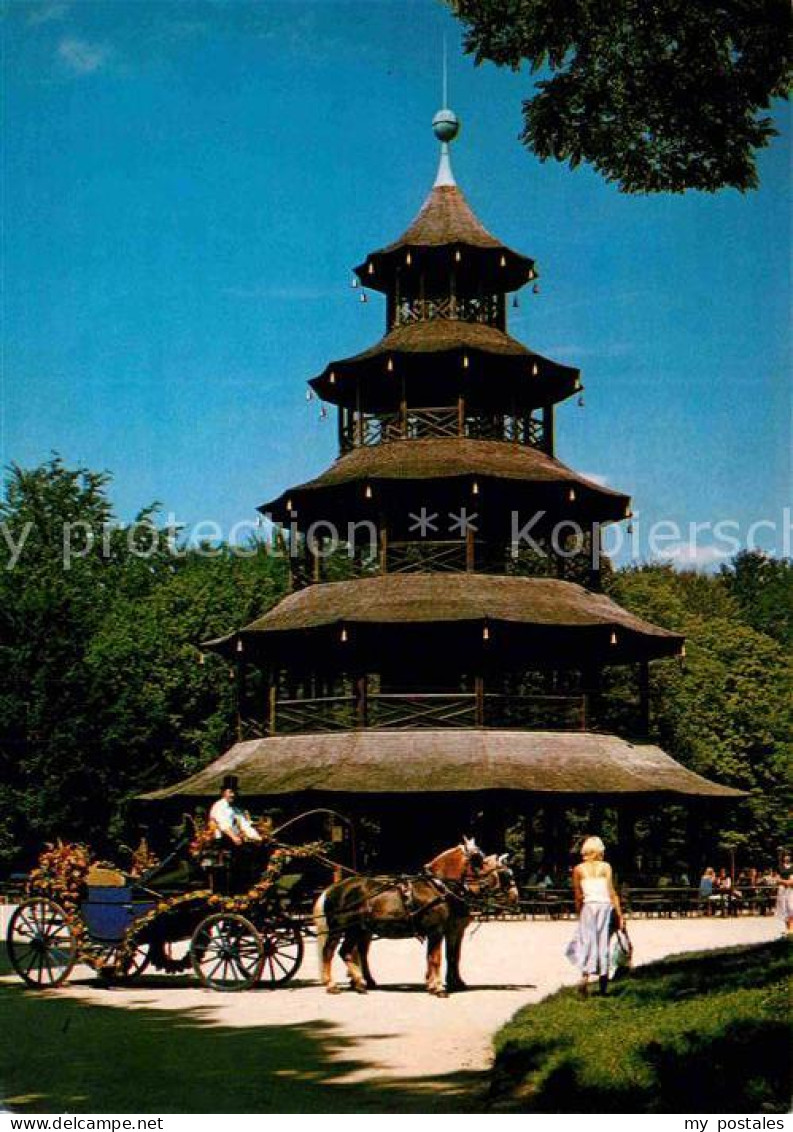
(233, 928)
(238, 930)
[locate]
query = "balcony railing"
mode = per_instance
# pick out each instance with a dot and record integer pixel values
(370, 429)
(411, 711)
(488, 309)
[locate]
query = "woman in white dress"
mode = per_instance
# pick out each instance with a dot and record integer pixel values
(597, 904)
(784, 894)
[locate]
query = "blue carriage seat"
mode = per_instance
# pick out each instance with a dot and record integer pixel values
(112, 904)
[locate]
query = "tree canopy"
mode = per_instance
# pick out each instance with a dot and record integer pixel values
(656, 95)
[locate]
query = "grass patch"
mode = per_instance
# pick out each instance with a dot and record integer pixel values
(705, 1032)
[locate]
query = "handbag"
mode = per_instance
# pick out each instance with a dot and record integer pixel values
(620, 953)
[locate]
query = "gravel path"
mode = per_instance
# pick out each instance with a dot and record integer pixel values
(400, 1039)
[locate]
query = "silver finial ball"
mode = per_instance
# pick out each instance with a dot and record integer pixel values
(446, 125)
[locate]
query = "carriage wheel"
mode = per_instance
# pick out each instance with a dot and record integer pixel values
(42, 944)
(283, 952)
(136, 963)
(226, 952)
(133, 966)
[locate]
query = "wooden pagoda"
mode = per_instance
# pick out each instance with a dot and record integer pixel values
(451, 677)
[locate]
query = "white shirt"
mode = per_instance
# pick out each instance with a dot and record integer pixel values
(231, 820)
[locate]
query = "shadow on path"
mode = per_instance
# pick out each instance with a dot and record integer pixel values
(62, 1055)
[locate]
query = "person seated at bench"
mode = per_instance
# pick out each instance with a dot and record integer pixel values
(226, 817)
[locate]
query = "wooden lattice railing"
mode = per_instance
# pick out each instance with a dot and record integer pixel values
(369, 429)
(488, 309)
(411, 711)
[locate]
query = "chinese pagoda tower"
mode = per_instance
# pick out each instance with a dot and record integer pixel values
(438, 666)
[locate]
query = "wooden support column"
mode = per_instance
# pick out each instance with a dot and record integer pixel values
(548, 444)
(470, 550)
(382, 531)
(479, 709)
(342, 412)
(461, 415)
(358, 414)
(362, 700)
(272, 703)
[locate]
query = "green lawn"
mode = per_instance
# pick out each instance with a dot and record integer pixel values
(705, 1032)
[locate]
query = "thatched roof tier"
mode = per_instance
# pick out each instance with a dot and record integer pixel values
(446, 238)
(508, 477)
(359, 622)
(574, 763)
(432, 362)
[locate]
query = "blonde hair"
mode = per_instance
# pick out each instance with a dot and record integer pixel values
(593, 849)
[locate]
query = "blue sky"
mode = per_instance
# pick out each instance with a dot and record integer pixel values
(186, 185)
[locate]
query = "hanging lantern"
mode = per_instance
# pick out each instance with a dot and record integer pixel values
(289, 504)
(240, 646)
(532, 274)
(466, 361)
(458, 255)
(571, 495)
(390, 365)
(332, 377)
(343, 637)
(368, 491)
(535, 369)
(503, 261)
(408, 259)
(613, 639)
(370, 269)
(474, 488)
(485, 633)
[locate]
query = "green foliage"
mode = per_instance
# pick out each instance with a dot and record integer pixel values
(727, 713)
(763, 591)
(101, 692)
(705, 1032)
(657, 97)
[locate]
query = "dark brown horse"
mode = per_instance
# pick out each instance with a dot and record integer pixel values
(435, 905)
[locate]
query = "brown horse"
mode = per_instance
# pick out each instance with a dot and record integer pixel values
(435, 905)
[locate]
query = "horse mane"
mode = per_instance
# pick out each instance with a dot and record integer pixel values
(451, 864)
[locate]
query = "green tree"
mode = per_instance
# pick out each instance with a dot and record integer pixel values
(657, 95)
(763, 589)
(727, 712)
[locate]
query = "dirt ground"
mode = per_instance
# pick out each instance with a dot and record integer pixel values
(398, 1040)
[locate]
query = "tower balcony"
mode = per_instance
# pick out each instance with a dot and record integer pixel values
(411, 711)
(533, 429)
(487, 309)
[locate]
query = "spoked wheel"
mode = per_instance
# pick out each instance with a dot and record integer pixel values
(136, 963)
(226, 952)
(133, 966)
(42, 945)
(283, 952)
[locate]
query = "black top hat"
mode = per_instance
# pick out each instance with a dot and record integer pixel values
(230, 782)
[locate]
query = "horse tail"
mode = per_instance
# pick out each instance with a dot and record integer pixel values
(320, 926)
